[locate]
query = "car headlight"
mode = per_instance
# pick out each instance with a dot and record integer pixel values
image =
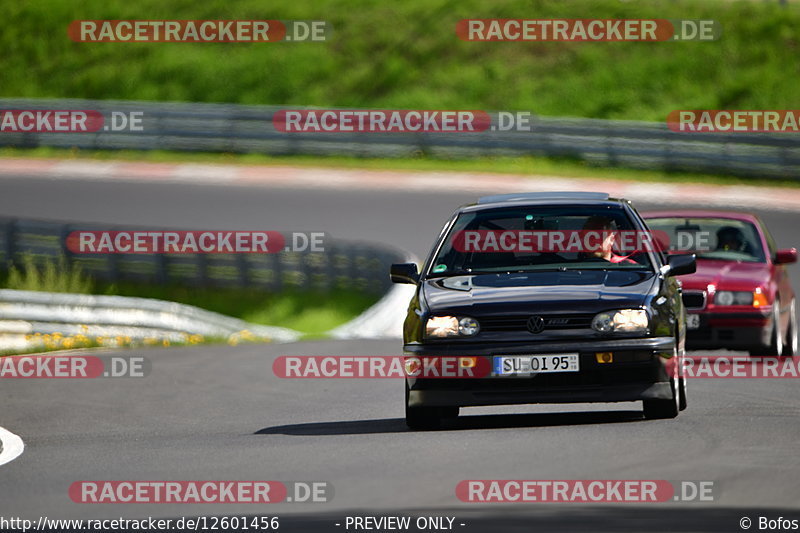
(468, 326)
(450, 326)
(733, 298)
(621, 321)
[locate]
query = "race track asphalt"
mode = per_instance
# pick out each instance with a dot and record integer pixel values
(219, 413)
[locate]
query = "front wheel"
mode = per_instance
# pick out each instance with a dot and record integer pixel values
(790, 348)
(775, 348)
(422, 418)
(682, 402)
(659, 409)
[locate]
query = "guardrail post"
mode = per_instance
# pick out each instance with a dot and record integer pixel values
(277, 271)
(65, 252)
(329, 257)
(611, 153)
(242, 267)
(10, 236)
(162, 269)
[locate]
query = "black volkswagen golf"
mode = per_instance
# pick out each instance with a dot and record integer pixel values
(559, 297)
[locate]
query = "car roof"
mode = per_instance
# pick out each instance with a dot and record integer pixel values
(549, 195)
(539, 198)
(700, 213)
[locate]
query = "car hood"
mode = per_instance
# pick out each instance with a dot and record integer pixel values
(574, 291)
(727, 274)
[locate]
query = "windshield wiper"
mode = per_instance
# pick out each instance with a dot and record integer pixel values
(465, 272)
(563, 268)
(469, 272)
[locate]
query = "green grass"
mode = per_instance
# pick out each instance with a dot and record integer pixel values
(312, 313)
(406, 55)
(525, 165)
(53, 276)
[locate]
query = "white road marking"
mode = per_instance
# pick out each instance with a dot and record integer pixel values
(383, 320)
(12, 446)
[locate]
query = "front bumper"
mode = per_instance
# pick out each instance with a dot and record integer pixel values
(734, 331)
(476, 396)
(639, 371)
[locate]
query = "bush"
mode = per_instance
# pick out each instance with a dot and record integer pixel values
(49, 276)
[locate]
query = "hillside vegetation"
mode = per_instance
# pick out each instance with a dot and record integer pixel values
(407, 55)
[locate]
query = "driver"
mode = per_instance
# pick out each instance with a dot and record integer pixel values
(605, 226)
(731, 239)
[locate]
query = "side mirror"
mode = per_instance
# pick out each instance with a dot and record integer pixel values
(680, 264)
(404, 273)
(787, 255)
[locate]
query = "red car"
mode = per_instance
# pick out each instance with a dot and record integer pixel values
(740, 298)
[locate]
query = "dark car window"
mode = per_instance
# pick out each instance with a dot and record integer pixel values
(724, 239)
(454, 257)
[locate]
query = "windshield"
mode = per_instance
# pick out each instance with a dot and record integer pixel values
(712, 238)
(529, 238)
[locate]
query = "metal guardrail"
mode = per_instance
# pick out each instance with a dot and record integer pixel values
(112, 316)
(344, 265)
(246, 129)
(28, 318)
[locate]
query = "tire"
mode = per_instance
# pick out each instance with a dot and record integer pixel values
(682, 402)
(790, 346)
(660, 409)
(775, 348)
(422, 418)
(450, 412)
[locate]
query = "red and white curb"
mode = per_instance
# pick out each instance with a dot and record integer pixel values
(289, 177)
(11, 446)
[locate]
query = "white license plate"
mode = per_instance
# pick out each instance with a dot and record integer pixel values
(692, 321)
(516, 365)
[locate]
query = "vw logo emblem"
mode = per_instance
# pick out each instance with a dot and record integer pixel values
(535, 324)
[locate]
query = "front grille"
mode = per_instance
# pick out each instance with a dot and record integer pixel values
(551, 322)
(694, 299)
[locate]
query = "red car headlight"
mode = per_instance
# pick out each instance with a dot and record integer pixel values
(754, 298)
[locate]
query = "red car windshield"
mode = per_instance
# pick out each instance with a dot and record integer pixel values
(723, 239)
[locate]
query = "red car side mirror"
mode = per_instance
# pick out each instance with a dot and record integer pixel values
(787, 255)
